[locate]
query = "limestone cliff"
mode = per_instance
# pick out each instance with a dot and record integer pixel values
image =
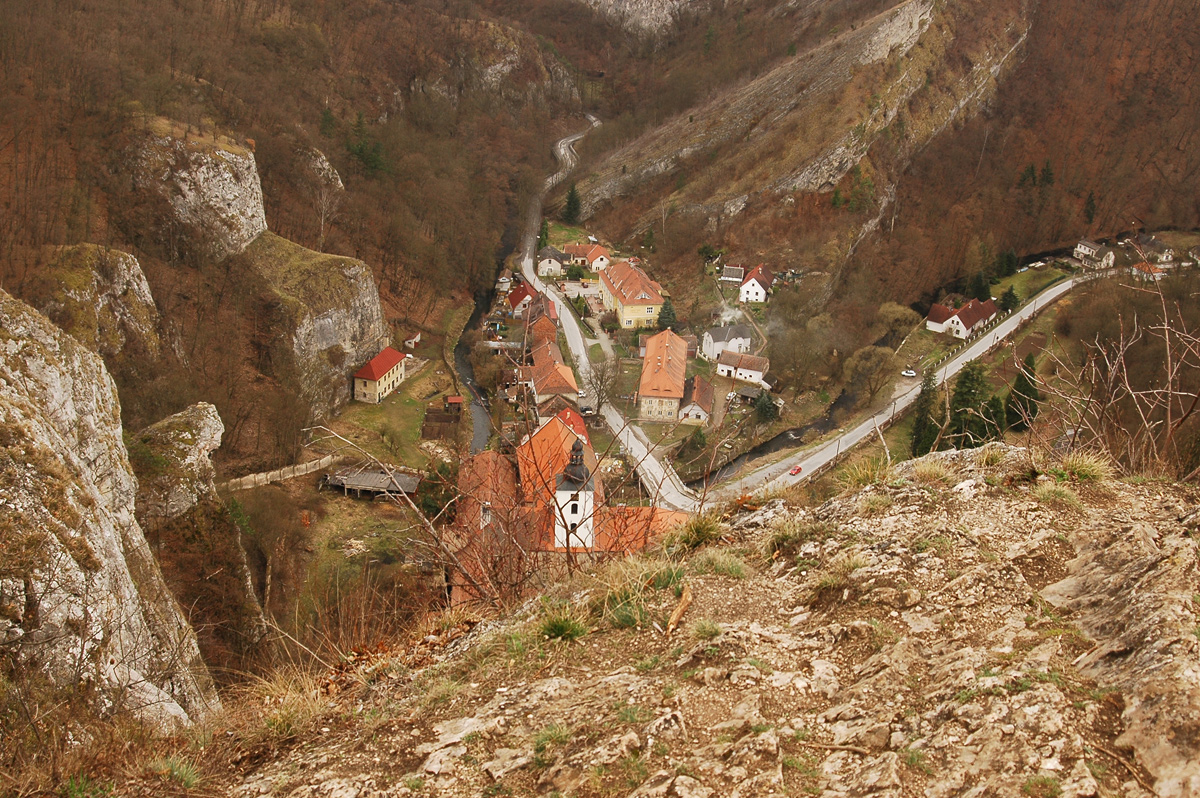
(211, 188)
(101, 298)
(81, 598)
(965, 627)
(326, 318)
(196, 542)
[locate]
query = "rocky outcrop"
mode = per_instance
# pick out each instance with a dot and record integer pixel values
(196, 543)
(327, 318)
(652, 17)
(101, 298)
(965, 629)
(82, 599)
(210, 185)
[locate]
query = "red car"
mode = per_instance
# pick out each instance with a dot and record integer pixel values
(796, 470)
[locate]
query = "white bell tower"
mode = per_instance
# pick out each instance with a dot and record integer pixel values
(574, 504)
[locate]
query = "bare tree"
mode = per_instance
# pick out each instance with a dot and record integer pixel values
(601, 380)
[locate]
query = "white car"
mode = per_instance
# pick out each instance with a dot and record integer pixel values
(908, 373)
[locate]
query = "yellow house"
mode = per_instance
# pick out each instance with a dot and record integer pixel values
(627, 290)
(382, 374)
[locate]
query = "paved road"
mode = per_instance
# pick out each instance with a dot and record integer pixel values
(660, 481)
(776, 474)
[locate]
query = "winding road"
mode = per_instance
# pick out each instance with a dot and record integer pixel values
(661, 482)
(660, 479)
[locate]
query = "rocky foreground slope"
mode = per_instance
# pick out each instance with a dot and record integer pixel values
(967, 628)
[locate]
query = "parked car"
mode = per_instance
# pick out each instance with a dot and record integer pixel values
(908, 373)
(586, 411)
(796, 470)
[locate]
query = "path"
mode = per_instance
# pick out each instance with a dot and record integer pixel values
(775, 475)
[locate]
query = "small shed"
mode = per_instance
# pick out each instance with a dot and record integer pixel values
(411, 343)
(374, 482)
(452, 404)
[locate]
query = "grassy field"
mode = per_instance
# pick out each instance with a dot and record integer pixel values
(399, 417)
(563, 234)
(1029, 282)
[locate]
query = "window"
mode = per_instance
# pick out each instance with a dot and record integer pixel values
(649, 311)
(574, 508)
(628, 322)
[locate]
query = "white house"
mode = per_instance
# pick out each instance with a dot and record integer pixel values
(961, 323)
(550, 262)
(1094, 256)
(756, 285)
(746, 368)
(734, 338)
(697, 404)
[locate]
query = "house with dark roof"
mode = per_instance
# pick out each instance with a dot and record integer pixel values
(550, 262)
(746, 368)
(756, 285)
(631, 294)
(963, 322)
(379, 377)
(733, 274)
(1094, 255)
(734, 337)
(660, 389)
(697, 404)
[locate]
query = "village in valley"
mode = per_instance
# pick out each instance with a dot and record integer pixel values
(599, 420)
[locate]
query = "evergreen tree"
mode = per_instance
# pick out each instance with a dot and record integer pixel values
(666, 317)
(837, 198)
(572, 208)
(980, 286)
(765, 408)
(966, 407)
(1028, 177)
(648, 240)
(544, 234)
(1089, 207)
(1021, 406)
(926, 422)
(1047, 176)
(1009, 300)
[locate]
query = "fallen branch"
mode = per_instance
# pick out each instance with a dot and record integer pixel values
(685, 601)
(1128, 766)
(854, 749)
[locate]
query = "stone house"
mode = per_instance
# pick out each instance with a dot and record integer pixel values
(660, 389)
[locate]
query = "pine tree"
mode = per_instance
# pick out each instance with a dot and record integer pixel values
(544, 234)
(1021, 406)
(572, 208)
(1009, 300)
(666, 316)
(1089, 207)
(765, 408)
(925, 423)
(980, 286)
(966, 407)
(1047, 176)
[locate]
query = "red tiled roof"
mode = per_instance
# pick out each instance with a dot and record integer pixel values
(630, 285)
(975, 311)
(519, 293)
(940, 314)
(664, 368)
(698, 391)
(762, 274)
(589, 252)
(1146, 268)
(632, 529)
(549, 373)
(542, 457)
(379, 365)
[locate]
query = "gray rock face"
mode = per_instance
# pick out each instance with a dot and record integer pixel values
(212, 186)
(182, 444)
(646, 16)
(101, 298)
(81, 596)
(328, 315)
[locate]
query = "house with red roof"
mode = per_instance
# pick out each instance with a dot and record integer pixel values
(520, 298)
(756, 285)
(379, 377)
(1147, 272)
(549, 375)
(594, 256)
(963, 322)
(541, 320)
(632, 295)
